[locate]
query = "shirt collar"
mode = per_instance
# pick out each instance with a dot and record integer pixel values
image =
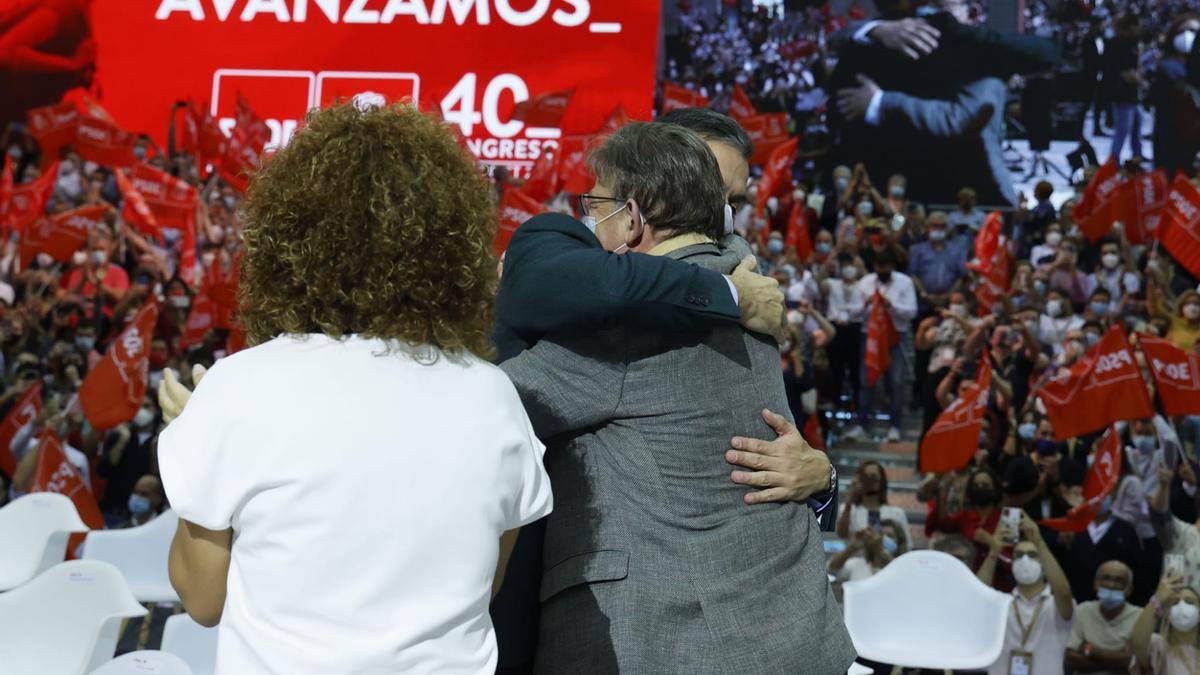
(676, 243)
(1044, 594)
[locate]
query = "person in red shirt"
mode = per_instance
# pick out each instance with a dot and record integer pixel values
(98, 281)
(979, 519)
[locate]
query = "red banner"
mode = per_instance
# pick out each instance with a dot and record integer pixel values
(1103, 387)
(676, 97)
(172, 201)
(104, 143)
(27, 201)
(113, 391)
(881, 337)
(1139, 205)
(253, 129)
(135, 210)
(239, 162)
(1095, 212)
(56, 473)
(953, 439)
(472, 59)
(991, 261)
(777, 175)
(516, 207)
(741, 107)
(573, 172)
(543, 182)
(61, 235)
(1102, 479)
(544, 110)
(1176, 375)
(18, 417)
(201, 319)
(1181, 224)
(767, 132)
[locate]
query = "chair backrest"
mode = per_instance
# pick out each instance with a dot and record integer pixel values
(141, 555)
(146, 662)
(34, 529)
(191, 642)
(926, 610)
(66, 620)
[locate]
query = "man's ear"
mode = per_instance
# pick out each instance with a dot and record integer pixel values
(637, 225)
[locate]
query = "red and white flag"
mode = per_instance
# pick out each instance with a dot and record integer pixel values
(19, 416)
(254, 130)
(172, 201)
(135, 209)
(201, 320)
(1095, 212)
(953, 439)
(1103, 387)
(1176, 375)
(741, 107)
(62, 234)
(239, 162)
(767, 132)
(544, 110)
(544, 180)
(1101, 481)
(56, 473)
(1139, 205)
(112, 392)
(777, 175)
(27, 201)
(574, 175)
(799, 236)
(103, 142)
(676, 97)
(881, 337)
(516, 207)
(991, 262)
(53, 127)
(617, 119)
(1180, 227)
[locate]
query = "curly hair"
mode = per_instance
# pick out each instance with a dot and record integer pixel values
(374, 223)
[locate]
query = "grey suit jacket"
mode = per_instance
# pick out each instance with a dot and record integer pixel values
(653, 563)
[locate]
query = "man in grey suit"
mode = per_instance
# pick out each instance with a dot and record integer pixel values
(652, 561)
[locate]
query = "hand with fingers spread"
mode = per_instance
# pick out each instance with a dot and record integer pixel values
(785, 469)
(914, 37)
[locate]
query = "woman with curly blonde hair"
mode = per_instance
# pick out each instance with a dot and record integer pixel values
(343, 486)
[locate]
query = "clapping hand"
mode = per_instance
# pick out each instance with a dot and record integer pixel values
(173, 396)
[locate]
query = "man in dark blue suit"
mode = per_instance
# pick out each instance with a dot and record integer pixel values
(557, 275)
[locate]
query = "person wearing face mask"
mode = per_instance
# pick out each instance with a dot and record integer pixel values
(99, 280)
(979, 517)
(822, 248)
(1043, 255)
(1122, 74)
(897, 189)
(1175, 648)
(868, 551)
(1039, 622)
(125, 456)
(867, 505)
(1099, 308)
(1108, 538)
(144, 503)
(1112, 277)
(1175, 109)
(1144, 455)
(936, 264)
(1185, 320)
(1100, 634)
(846, 305)
(1057, 321)
(966, 215)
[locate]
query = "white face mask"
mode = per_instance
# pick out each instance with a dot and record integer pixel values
(728, 220)
(1110, 260)
(143, 418)
(1191, 311)
(1184, 616)
(1184, 41)
(1026, 570)
(849, 272)
(1054, 238)
(590, 222)
(1054, 308)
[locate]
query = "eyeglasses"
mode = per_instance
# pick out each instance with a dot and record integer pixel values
(588, 202)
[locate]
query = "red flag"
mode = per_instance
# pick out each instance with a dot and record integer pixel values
(676, 97)
(221, 286)
(1102, 480)
(953, 439)
(239, 162)
(54, 128)
(617, 119)
(1095, 213)
(799, 236)
(86, 105)
(1139, 205)
(1176, 375)
(104, 143)
(255, 131)
(777, 175)
(812, 433)
(544, 110)
(18, 417)
(61, 235)
(767, 132)
(187, 132)
(27, 202)
(113, 391)
(6, 191)
(1180, 228)
(172, 201)
(516, 207)
(881, 337)
(991, 261)
(211, 140)
(1103, 387)
(135, 209)
(201, 319)
(56, 473)
(741, 107)
(573, 172)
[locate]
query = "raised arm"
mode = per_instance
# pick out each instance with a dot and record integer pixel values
(1060, 588)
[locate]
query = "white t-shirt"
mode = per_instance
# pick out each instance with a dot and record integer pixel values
(367, 494)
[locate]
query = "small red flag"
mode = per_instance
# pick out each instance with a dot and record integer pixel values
(113, 391)
(62, 234)
(543, 181)
(1101, 481)
(544, 110)
(777, 175)
(617, 119)
(103, 142)
(1180, 228)
(1176, 375)
(573, 172)
(953, 439)
(1096, 210)
(1103, 387)
(676, 96)
(881, 337)
(54, 128)
(516, 207)
(135, 209)
(27, 201)
(172, 201)
(56, 473)
(239, 162)
(201, 320)
(211, 141)
(799, 236)
(19, 416)
(991, 253)
(741, 107)
(255, 131)
(767, 132)
(1139, 204)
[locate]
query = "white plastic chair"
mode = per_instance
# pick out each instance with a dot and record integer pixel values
(926, 610)
(141, 555)
(65, 621)
(34, 529)
(193, 643)
(146, 662)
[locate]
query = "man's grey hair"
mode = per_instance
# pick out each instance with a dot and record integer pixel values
(712, 126)
(669, 172)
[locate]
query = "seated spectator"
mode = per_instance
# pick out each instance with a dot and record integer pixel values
(867, 552)
(867, 505)
(1173, 649)
(145, 502)
(1100, 634)
(966, 220)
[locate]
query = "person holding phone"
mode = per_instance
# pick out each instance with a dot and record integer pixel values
(1175, 648)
